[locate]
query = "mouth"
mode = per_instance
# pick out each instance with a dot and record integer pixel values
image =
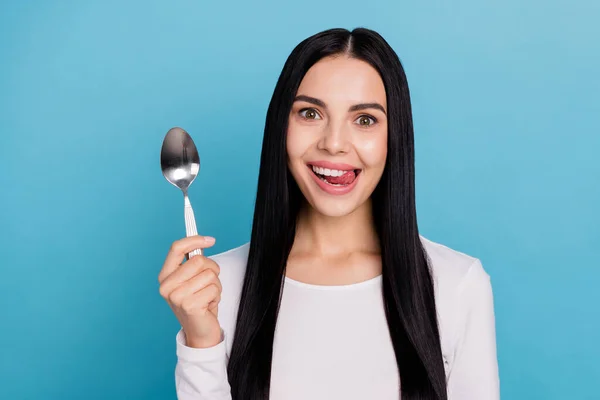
(333, 180)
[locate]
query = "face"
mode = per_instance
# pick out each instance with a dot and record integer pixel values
(337, 134)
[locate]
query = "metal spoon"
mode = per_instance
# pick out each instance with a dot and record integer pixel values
(180, 164)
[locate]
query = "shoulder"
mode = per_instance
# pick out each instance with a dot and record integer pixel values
(460, 283)
(466, 321)
(232, 265)
(232, 259)
(451, 268)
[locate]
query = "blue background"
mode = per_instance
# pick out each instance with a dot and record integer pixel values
(506, 105)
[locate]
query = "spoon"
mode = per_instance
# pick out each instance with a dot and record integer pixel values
(180, 164)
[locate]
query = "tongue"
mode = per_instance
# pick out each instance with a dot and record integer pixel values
(345, 179)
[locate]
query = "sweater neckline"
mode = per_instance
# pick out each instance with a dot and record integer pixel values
(350, 286)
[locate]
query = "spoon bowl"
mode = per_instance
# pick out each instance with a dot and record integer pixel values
(180, 164)
(179, 159)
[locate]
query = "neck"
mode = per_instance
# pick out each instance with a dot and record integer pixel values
(328, 236)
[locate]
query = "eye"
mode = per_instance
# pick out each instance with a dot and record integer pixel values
(366, 120)
(309, 113)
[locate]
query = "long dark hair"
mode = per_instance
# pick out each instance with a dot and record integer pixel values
(407, 286)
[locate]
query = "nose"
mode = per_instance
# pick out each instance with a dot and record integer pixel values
(334, 139)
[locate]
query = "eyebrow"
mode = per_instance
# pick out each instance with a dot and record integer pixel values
(356, 107)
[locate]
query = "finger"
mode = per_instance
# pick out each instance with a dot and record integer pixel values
(200, 299)
(179, 249)
(182, 247)
(186, 272)
(214, 305)
(196, 284)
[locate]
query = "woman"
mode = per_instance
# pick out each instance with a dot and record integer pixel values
(336, 296)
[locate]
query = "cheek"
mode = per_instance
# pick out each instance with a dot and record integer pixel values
(297, 143)
(373, 151)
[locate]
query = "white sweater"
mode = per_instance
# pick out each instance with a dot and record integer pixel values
(319, 352)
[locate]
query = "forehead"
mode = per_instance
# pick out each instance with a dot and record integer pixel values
(343, 80)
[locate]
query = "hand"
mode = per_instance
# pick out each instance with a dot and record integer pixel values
(193, 291)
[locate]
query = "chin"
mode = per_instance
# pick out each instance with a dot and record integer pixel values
(333, 207)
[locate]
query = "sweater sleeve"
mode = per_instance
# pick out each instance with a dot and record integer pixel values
(201, 374)
(474, 372)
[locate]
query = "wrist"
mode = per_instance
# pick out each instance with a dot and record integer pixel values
(203, 343)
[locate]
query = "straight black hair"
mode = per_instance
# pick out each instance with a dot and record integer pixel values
(407, 285)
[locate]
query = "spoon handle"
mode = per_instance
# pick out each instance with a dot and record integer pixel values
(190, 225)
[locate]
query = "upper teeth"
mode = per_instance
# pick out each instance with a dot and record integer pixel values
(328, 172)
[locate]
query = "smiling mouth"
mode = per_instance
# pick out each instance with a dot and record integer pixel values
(333, 177)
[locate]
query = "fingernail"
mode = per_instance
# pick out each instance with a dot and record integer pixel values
(209, 239)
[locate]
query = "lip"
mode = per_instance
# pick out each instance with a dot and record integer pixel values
(333, 190)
